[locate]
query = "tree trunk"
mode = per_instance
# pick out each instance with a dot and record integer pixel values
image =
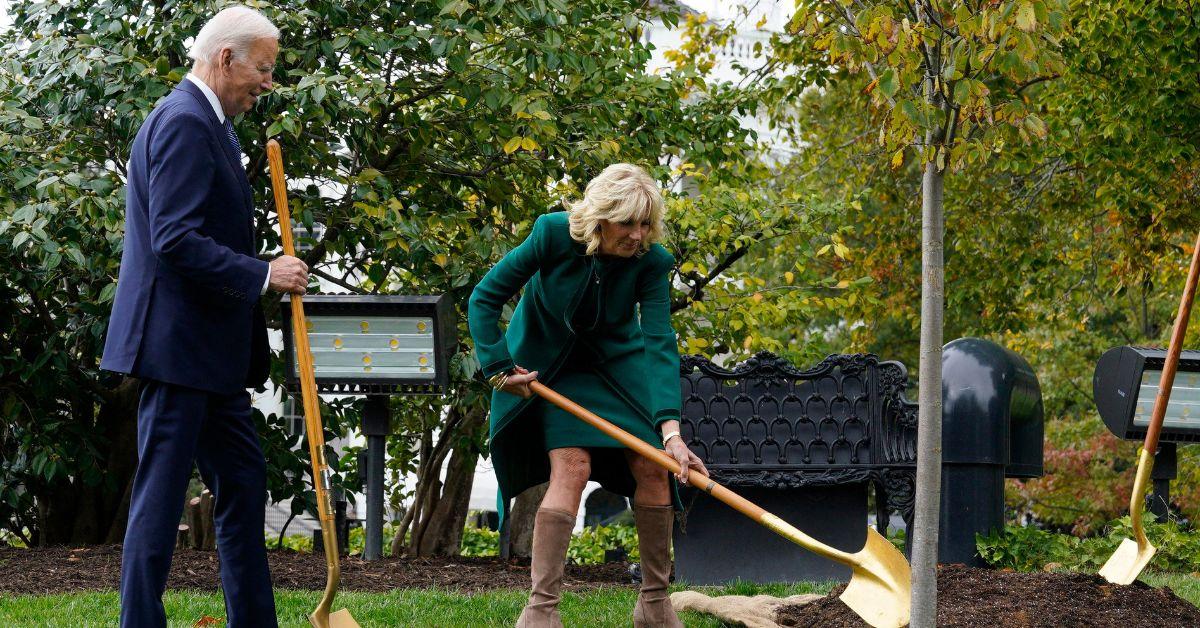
(118, 417)
(929, 422)
(435, 521)
(520, 520)
(441, 534)
(199, 512)
(73, 512)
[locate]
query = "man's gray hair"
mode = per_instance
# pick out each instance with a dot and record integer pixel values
(235, 28)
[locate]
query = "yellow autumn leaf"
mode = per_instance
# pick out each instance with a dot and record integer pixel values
(898, 159)
(512, 145)
(528, 144)
(789, 276)
(441, 259)
(1026, 18)
(845, 283)
(757, 297)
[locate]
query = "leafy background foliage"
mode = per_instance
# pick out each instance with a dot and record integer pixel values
(428, 135)
(427, 143)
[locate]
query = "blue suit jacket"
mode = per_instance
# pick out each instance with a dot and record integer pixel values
(187, 303)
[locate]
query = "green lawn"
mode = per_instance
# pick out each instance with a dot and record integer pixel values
(1185, 585)
(419, 607)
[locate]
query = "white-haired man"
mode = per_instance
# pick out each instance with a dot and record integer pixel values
(187, 321)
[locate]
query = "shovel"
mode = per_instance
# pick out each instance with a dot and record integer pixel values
(880, 586)
(321, 617)
(1132, 556)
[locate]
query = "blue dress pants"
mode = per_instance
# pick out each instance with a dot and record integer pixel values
(176, 426)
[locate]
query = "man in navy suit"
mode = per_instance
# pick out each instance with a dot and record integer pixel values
(187, 322)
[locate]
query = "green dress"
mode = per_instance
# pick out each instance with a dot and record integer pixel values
(561, 428)
(607, 345)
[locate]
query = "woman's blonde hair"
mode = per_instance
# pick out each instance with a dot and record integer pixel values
(622, 192)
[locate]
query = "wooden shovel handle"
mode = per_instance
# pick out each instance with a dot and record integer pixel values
(1172, 362)
(308, 381)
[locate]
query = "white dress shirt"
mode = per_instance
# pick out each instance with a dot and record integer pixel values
(216, 105)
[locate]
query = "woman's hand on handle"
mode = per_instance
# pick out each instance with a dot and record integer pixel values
(518, 382)
(677, 449)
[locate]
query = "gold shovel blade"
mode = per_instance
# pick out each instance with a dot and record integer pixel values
(1127, 562)
(338, 619)
(1133, 554)
(880, 588)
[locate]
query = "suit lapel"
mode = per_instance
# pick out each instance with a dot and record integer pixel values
(234, 159)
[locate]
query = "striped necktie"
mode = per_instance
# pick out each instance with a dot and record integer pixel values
(233, 140)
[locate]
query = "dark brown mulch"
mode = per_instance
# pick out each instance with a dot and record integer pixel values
(98, 567)
(1006, 599)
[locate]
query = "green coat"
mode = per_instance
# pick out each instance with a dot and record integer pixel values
(636, 345)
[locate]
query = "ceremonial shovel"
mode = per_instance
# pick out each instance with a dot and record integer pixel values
(320, 618)
(880, 586)
(1132, 556)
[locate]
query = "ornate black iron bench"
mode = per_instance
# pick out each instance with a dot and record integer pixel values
(805, 444)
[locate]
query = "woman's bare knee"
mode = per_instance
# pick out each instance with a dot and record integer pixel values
(646, 472)
(571, 466)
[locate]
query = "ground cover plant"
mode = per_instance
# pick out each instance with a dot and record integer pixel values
(1026, 548)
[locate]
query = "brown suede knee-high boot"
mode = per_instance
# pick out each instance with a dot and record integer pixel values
(551, 535)
(654, 608)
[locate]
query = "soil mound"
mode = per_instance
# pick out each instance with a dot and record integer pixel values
(1006, 599)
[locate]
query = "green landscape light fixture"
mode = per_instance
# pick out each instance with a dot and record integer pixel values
(1126, 384)
(376, 345)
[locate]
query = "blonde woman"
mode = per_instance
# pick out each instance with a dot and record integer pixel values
(594, 323)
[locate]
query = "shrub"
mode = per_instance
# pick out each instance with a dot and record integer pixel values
(1030, 549)
(480, 542)
(586, 548)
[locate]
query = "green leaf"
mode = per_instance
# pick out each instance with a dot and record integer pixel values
(962, 91)
(889, 84)
(457, 7)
